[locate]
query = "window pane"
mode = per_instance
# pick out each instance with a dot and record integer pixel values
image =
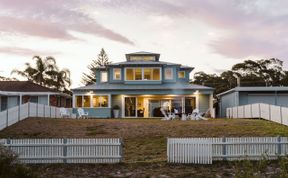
(129, 74)
(138, 74)
(86, 101)
(78, 101)
(117, 74)
(168, 74)
(156, 74)
(147, 74)
(181, 74)
(100, 101)
(104, 101)
(142, 58)
(104, 76)
(95, 101)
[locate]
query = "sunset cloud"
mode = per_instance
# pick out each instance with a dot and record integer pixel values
(51, 19)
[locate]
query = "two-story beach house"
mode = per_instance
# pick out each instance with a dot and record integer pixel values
(140, 86)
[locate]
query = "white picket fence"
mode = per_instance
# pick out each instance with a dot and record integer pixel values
(260, 110)
(18, 113)
(96, 150)
(205, 150)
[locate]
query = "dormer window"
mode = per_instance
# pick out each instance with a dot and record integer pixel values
(142, 58)
(181, 74)
(103, 76)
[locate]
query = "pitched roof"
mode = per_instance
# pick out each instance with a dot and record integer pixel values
(255, 89)
(143, 63)
(166, 86)
(23, 86)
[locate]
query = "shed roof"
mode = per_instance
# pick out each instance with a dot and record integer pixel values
(254, 89)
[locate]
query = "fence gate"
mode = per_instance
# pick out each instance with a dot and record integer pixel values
(181, 150)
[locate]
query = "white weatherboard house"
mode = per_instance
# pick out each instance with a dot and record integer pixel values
(250, 95)
(140, 86)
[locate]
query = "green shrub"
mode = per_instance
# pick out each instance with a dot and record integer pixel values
(10, 166)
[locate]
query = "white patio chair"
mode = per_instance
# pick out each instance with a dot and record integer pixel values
(64, 113)
(196, 115)
(166, 117)
(82, 114)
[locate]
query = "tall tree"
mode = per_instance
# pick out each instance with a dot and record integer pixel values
(38, 73)
(45, 72)
(264, 72)
(102, 60)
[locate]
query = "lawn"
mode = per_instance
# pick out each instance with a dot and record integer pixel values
(144, 140)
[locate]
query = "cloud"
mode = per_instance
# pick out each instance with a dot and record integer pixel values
(51, 19)
(25, 51)
(250, 28)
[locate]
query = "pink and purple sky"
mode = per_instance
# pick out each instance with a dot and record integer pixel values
(209, 35)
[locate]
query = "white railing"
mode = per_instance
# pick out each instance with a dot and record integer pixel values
(18, 113)
(98, 150)
(259, 110)
(204, 150)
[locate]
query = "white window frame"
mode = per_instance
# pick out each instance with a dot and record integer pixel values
(114, 78)
(91, 98)
(142, 70)
(101, 73)
(183, 75)
(172, 74)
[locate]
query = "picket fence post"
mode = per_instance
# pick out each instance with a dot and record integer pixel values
(224, 150)
(65, 150)
(7, 117)
(279, 150)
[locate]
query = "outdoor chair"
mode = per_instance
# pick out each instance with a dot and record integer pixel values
(167, 117)
(82, 114)
(64, 113)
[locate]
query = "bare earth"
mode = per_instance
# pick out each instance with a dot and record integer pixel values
(144, 144)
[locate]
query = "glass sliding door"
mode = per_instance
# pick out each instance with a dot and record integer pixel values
(130, 106)
(190, 104)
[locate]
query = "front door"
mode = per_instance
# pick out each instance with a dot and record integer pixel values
(130, 106)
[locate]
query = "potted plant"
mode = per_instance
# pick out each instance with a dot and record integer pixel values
(116, 110)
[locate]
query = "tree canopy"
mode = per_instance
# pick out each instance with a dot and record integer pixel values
(264, 72)
(45, 72)
(90, 77)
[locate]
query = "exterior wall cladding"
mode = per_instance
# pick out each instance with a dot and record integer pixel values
(239, 98)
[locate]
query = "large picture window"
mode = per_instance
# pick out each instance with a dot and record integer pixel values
(168, 73)
(100, 101)
(92, 101)
(142, 74)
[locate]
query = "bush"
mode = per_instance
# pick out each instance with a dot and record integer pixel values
(10, 166)
(116, 107)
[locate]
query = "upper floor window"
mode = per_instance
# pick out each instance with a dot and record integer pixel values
(142, 58)
(103, 76)
(181, 74)
(168, 74)
(142, 74)
(117, 74)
